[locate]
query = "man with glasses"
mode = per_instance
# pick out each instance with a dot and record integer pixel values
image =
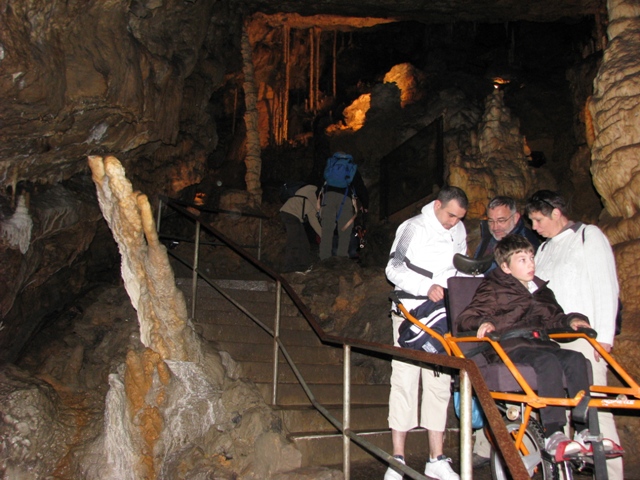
(578, 262)
(502, 219)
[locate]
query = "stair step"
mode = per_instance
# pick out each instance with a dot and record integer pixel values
(326, 449)
(293, 394)
(237, 317)
(265, 309)
(315, 374)
(227, 333)
(300, 419)
(260, 352)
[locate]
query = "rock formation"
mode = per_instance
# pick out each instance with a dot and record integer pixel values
(496, 163)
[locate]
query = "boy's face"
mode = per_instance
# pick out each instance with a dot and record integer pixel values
(522, 266)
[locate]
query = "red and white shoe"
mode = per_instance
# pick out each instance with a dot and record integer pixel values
(611, 448)
(562, 448)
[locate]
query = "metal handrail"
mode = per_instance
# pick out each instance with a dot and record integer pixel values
(470, 375)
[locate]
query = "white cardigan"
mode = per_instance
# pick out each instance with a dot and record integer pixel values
(581, 270)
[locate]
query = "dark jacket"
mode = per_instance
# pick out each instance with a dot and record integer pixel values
(488, 242)
(502, 300)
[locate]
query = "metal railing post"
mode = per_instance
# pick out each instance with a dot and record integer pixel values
(159, 215)
(194, 277)
(260, 239)
(346, 414)
(276, 337)
(466, 445)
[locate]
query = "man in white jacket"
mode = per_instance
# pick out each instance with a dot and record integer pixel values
(420, 263)
(578, 262)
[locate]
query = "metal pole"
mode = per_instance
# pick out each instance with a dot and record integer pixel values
(260, 239)
(276, 350)
(194, 277)
(346, 414)
(466, 446)
(159, 215)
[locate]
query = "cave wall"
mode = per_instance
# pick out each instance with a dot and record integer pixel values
(79, 78)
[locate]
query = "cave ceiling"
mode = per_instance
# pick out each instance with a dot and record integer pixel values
(109, 77)
(437, 11)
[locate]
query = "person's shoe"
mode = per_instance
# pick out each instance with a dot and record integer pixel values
(562, 448)
(391, 473)
(440, 469)
(479, 461)
(611, 448)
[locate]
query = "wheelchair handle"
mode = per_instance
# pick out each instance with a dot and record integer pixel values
(589, 332)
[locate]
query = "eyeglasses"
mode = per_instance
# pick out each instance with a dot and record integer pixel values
(500, 221)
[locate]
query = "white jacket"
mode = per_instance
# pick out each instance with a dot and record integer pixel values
(422, 254)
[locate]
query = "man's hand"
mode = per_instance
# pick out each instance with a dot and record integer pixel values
(486, 327)
(435, 293)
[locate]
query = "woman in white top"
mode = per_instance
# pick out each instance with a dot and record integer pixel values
(578, 262)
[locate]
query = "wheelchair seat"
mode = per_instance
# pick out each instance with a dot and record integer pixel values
(497, 376)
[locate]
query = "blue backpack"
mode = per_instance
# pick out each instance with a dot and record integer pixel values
(340, 170)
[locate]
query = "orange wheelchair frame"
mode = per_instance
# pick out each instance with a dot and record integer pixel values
(607, 396)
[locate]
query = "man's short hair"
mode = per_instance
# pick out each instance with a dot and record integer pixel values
(502, 201)
(453, 193)
(544, 201)
(509, 246)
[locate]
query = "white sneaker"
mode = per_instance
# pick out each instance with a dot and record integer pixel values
(391, 473)
(440, 469)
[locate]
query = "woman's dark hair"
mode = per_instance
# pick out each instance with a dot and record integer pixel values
(544, 201)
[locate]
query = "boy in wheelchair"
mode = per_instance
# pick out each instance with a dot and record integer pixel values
(515, 304)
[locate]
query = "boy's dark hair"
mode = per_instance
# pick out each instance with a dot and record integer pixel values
(453, 193)
(544, 201)
(509, 246)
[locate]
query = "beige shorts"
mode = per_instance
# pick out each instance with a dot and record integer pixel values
(405, 391)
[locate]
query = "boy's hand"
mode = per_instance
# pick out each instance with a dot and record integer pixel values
(577, 323)
(486, 327)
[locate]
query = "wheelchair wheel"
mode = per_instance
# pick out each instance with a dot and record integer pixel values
(533, 440)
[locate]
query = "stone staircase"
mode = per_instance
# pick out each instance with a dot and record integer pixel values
(321, 365)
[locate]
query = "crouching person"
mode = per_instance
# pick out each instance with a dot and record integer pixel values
(512, 298)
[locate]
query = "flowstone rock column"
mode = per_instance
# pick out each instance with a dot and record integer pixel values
(615, 111)
(172, 410)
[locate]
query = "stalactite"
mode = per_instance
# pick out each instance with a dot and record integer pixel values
(312, 71)
(335, 65)
(512, 47)
(235, 110)
(318, 34)
(252, 160)
(286, 41)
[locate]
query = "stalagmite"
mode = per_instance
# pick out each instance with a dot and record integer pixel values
(16, 230)
(148, 277)
(252, 161)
